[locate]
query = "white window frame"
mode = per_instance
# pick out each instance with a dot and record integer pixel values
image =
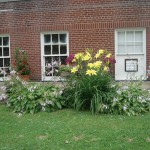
(51, 78)
(5, 35)
(130, 29)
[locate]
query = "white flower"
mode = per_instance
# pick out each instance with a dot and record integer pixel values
(24, 83)
(19, 97)
(115, 99)
(113, 85)
(13, 72)
(118, 92)
(20, 114)
(11, 83)
(3, 96)
(43, 104)
(49, 102)
(3, 88)
(124, 107)
(7, 79)
(17, 78)
(3, 72)
(60, 92)
(125, 87)
(140, 98)
(105, 106)
(43, 108)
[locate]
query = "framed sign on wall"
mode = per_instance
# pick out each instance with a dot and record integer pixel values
(131, 65)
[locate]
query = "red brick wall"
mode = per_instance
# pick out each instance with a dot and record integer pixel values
(90, 23)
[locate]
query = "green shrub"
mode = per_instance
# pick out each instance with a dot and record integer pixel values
(130, 99)
(26, 97)
(90, 82)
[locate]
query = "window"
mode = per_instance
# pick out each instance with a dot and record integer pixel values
(4, 55)
(130, 41)
(54, 52)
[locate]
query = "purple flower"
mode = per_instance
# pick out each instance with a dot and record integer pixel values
(69, 59)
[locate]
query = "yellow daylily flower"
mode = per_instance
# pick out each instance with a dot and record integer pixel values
(78, 56)
(97, 64)
(106, 68)
(101, 51)
(91, 65)
(87, 57)
(97, 55)
(108, 55)
(91, 72)
(74, 69)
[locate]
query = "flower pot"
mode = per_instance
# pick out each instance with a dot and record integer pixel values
(65, 74)
(24, 77)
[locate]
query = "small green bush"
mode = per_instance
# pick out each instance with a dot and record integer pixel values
(26, 97)
(130, 99)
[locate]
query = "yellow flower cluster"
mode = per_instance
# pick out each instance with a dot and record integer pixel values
(99, 54)
(82, 57)
(91, 72)
(74, 69)
(84, 61)
(96, 65)
(108, 55)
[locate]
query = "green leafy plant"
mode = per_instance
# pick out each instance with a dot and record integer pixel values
(24, 97)
(22, 65)
(90, 82)
(130, 99)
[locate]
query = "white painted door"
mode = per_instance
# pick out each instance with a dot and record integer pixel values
(130, 53)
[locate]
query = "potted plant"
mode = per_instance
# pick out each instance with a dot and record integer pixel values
(65, 70)
(22, 65)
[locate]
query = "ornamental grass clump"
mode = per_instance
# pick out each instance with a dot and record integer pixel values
(90, 83)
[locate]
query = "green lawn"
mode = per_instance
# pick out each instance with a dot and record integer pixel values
(71, 130)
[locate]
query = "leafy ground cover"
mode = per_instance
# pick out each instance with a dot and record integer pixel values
(72, 130)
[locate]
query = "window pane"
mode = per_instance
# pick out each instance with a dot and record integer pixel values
(55, 64)
(47, 49)
(130, 47)
(63, 38)
(55, 49)
(139, 47)
(47, 38)
(48, 66)
(5, 41)
(63, 49)
(0, 41)
(51, 66)
(121, 49)
(129, 36)
(6, 62)
(1, 62)
(63, 60)
(139, 36)
(7, 71)
(6, 51)
(121, 36)
(0, 51)
(55, 38)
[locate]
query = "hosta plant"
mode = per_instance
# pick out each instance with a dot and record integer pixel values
(24, 97)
